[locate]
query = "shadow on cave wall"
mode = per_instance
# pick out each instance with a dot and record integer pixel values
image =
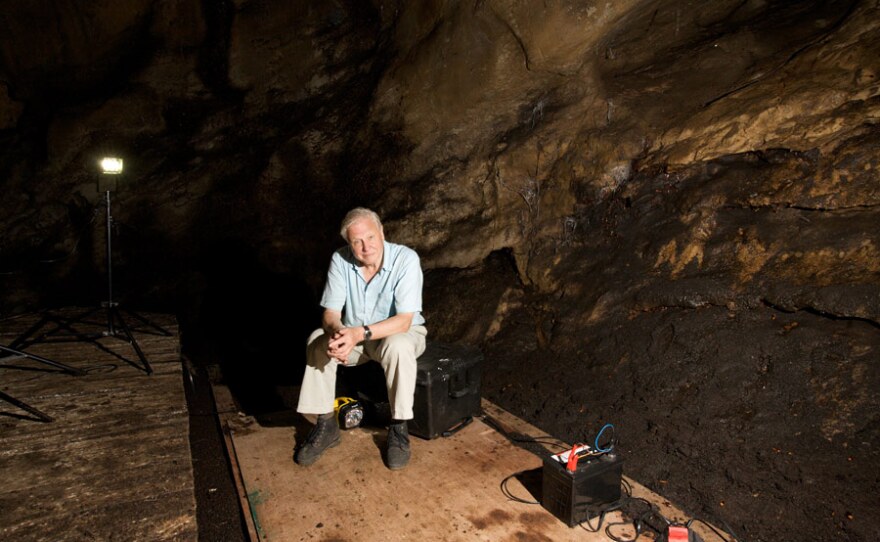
(55, 269)
(252, 322)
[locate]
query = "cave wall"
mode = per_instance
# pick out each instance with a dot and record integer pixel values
(474, 127)
(659, 191)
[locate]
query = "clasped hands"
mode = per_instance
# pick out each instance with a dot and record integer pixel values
(343, 341)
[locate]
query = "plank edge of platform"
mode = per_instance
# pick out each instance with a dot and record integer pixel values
(222, 398)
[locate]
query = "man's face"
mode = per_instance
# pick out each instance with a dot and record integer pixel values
(365, 239)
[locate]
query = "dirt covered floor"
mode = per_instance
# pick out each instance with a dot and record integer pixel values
(754, 418)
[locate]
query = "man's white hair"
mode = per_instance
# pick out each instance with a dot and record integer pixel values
(356, 214)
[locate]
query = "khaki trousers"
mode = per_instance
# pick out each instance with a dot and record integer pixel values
(396, 354)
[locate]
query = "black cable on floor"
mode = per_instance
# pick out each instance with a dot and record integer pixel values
(507, 493)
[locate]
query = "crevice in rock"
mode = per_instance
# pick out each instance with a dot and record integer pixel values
(805, 208)
(833, 209)
(818, 312)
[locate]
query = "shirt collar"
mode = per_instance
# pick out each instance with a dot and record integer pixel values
(386, 266)
(385, 259)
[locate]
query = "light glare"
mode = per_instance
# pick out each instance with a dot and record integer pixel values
(111, 166)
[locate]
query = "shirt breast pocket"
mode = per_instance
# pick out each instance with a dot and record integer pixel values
(385, 306)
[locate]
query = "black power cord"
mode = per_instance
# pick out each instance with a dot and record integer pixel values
(727, 531)
(657, 522)
(507, 493)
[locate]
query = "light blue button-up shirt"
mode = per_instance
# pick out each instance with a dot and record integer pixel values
(396, 288)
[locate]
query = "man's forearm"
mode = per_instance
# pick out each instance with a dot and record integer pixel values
(399, 323)
(331, 322)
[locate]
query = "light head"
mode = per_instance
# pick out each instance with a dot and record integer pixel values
(110, 165)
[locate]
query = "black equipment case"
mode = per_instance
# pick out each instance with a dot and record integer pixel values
(447, 389)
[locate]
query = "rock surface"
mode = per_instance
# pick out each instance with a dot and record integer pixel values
(666, 210)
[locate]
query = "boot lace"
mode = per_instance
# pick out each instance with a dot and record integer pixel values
(321, 428)
(398, 436)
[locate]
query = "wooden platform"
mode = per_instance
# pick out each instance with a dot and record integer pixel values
(451, 491)
(115, 463)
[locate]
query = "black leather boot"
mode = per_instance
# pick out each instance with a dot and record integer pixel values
(324, 435)
(398, 451)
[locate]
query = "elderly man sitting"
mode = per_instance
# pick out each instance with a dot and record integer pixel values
(372, 311)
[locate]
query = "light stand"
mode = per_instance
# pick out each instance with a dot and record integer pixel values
(117, 326)
(113, 312)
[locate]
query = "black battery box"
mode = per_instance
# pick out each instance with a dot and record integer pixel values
(447, 389)
(574, 497)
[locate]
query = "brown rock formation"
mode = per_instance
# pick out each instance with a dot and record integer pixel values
(647, 212)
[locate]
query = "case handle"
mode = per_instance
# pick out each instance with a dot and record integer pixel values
(455, 429)
(462, 392)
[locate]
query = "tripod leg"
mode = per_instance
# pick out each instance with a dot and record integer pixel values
(162, 331)
(24, 339)
(26, 407)
(41, 359)
(134, 344)
(67, 324)
(30, 337)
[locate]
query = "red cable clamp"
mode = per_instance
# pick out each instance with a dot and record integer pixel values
(678, 533)
(572, 459)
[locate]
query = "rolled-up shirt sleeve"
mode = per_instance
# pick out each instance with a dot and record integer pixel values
(408, 290)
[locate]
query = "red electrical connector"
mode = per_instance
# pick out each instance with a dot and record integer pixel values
(572, 459)
(678, 533)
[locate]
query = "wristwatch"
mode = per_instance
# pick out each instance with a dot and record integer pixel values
(367, 333)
